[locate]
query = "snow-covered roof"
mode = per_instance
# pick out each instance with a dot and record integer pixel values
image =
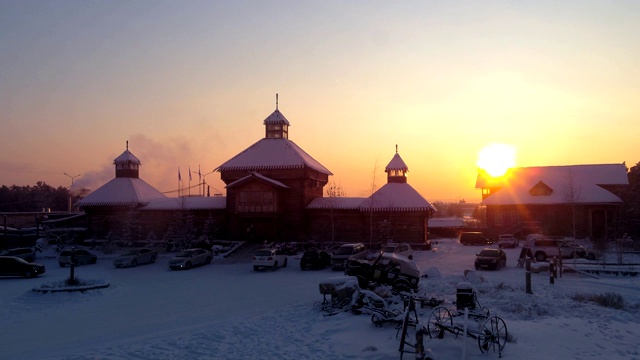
(276, 117)
(270, 154)
(338, 203)
(390, 197)
(448, 222)
(187, 203)
(126, 157)
(396, 163)
(396, 197)
(122, 192)
(254, 174)
(579, 184)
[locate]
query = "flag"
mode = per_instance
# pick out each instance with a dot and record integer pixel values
(179, 176)
(199, 174)
(189, 173)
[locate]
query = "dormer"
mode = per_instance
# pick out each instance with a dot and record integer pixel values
(396, 169)
(276, 125)
(127, 165)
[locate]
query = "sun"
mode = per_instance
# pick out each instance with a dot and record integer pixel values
(496, 159)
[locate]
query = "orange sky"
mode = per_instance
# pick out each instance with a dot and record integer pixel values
(189, 85)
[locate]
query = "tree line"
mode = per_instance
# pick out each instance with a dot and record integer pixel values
(27, 198)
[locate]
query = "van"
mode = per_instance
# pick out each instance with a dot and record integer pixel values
(474, 238)
(343, 253)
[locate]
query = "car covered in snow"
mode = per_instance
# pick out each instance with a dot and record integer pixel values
(268, 259)
(397, 271)
(403, 249)
(135, 257)
(186, 259)
(490, 258)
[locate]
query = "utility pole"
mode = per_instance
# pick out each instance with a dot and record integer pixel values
(70, 196)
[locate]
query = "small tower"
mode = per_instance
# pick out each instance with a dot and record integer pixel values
(396, 169)
(276, 125)
(127, 165)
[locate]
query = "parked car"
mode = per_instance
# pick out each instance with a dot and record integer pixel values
(403, 249)
(186, 259)
(386, 268)
(543, 248)
(315, 259)
(474, 238)
(135, 257)
(15, 266)
(507, 241)
(26, 253)
(344, 252)
(491, 259)
(80, 257)
(269, 258)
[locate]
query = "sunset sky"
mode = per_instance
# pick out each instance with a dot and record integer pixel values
(188, 84)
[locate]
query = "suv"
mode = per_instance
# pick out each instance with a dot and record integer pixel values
(269, 258)
(474, 238)
(507, 241)
(28, 254)
(543, 248)
(403, 249)
(390, 269)
(343, 253)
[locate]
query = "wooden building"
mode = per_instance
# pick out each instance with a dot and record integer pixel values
(575, 200)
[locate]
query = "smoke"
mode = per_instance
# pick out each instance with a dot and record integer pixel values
(159, 163)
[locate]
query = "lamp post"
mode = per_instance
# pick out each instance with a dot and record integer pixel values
(204, 182)
(72, 177)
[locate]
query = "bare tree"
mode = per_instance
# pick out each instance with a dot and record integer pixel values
(333, 191)
(371, 193)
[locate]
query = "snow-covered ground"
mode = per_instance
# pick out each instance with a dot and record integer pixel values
(227, 311)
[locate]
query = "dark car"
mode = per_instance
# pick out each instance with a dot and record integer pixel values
(390, 269)
(28, 254)
(491, 259)
(80, 257)
(315, 259)
(15, 266)
(474, 238)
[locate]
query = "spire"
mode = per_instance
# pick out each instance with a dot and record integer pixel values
(397, 169)
(127, 165)
(276, 125)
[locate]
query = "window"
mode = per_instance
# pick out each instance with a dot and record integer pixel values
(256, 201)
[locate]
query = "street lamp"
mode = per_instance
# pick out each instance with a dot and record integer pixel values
(72, 177)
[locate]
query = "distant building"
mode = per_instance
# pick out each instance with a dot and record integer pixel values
(580, 200)
(275, 192)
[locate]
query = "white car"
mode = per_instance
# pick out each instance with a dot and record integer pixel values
(507, 241)
(135, 257)
(269, 258)
(402, 249)
(186, 259)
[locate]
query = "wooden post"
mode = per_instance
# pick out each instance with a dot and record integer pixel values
(552, 271)
(528, 275)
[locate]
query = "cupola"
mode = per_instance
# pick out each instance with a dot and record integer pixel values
(276, 125)
(127, 165)
(396, 169)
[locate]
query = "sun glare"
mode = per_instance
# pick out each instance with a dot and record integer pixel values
(496, 159)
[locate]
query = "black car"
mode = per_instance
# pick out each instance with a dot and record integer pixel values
(15, 266)
(315, 259)
(491, 259)
(474, 238)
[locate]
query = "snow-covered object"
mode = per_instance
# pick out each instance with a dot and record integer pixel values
(122, 192)
(272, 154)
(579, 184)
